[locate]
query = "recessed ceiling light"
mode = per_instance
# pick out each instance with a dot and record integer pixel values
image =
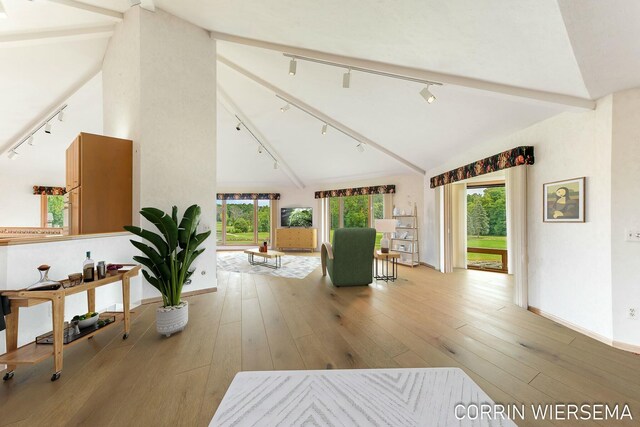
(427, 95)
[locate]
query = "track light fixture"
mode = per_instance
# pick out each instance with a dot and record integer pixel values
(285, 108)
(261, 147)
(61, 116)
(427, 95)
(360, 147)
(30, 137)
(346, 79)
(293, 65)
(324, 129)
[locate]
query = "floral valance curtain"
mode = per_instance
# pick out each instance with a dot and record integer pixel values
(507, 159)
(360, 191)
(248, 196)
(41, 190)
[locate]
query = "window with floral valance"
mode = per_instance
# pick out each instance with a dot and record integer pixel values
(358, 191)
(505, 160)
(248, 196)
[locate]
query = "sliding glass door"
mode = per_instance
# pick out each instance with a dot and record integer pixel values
(356, 212)
(243, 222)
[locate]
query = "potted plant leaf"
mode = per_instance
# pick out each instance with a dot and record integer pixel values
(168, 257)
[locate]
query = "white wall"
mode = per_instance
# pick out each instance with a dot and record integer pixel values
(625, 211)
(569, 264)
(160, 90)
(19, 207)
(18, 270)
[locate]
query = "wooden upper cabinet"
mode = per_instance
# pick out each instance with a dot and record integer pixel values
(73, 165)
(100, 168)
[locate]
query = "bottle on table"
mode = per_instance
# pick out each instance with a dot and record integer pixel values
(88, 271)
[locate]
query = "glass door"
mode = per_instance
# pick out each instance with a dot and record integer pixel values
(240, 222)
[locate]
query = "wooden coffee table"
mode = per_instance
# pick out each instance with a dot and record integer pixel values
(266, 256)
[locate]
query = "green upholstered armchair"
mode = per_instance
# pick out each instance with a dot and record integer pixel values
(350, 259)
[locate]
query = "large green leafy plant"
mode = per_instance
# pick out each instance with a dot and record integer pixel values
(171, 253)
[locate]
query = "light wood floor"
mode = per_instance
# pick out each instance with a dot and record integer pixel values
(255, 322)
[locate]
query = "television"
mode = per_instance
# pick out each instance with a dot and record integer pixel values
(296, 217)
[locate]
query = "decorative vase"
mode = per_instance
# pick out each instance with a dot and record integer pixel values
(172, 319)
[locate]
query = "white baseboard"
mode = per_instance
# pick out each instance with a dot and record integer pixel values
(573, 326)
(627, 347)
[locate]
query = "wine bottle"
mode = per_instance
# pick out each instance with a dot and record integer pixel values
(87, 269)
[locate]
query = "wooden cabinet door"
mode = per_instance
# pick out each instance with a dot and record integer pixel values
(75, 226)
(73, 165)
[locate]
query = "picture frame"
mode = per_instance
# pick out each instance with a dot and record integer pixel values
(564, 201)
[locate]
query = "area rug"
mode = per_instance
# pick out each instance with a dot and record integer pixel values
(361, 397)
(293, 267)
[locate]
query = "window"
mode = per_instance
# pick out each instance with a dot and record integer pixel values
(356, 212)
(51, 212)
(243, 222)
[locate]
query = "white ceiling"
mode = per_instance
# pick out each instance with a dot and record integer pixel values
(583, 48)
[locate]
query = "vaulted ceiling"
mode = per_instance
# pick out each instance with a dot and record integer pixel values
(579, 48)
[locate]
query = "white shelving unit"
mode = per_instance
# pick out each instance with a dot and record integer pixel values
(405, 240)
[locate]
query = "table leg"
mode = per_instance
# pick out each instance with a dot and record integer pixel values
(91, 300)
(126, 302)
(11, 337)
(58, 334)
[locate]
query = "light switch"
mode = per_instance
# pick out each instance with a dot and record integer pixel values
(632, 235)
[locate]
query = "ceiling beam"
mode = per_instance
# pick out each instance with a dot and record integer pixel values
(233, 108)
(416, 73)
(112, 14)
(29, 127)
(320, 115)
(41, 37)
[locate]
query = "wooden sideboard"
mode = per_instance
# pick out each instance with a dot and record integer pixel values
(297, 238)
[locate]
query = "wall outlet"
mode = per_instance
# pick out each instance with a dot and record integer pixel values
(633, 313)
(632, 236)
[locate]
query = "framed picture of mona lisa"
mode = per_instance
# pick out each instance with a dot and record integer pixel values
(564, 201)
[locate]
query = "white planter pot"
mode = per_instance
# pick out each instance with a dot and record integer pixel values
(170, 320)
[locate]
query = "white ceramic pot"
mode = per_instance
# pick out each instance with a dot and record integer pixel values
(170, 320)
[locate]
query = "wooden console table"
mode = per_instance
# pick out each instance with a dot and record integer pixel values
(33, 353)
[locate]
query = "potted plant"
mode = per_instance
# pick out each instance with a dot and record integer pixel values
(168, 258)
